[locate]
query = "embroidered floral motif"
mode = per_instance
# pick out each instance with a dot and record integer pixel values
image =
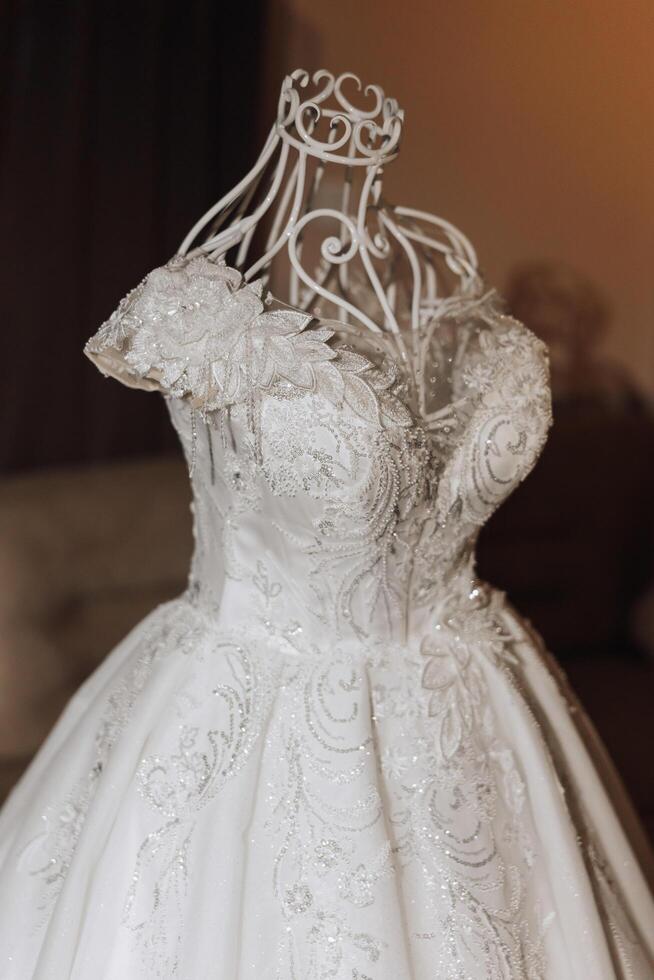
(456, 797)
(463, 632)
(49, 854)
(198, 329)
(217, 730)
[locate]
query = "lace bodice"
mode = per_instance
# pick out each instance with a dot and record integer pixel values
(344, 492)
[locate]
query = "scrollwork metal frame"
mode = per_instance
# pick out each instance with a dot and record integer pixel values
(357, 137)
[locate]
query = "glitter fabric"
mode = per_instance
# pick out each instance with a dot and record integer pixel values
(338, 755)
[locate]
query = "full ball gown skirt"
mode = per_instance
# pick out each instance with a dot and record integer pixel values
(338, 754)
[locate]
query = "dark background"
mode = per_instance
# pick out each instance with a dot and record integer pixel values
(119, 124)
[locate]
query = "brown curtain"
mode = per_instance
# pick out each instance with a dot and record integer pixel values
(119, 125)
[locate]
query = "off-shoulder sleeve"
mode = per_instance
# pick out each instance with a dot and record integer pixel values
(111, 346)
(159, 336)
(508, 422)
(195, 329)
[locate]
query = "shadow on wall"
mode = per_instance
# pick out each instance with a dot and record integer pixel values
(574, 545)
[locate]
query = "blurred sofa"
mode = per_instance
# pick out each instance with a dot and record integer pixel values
(85, 553)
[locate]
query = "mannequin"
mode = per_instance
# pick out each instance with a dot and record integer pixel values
(365, 263)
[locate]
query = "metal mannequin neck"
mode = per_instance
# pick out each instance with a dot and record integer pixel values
(320, 133)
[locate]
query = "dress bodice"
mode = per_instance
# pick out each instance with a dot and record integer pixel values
(345, 494)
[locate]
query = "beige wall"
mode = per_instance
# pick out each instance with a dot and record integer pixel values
(530, 123)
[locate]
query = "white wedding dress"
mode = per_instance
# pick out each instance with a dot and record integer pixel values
(338, 754)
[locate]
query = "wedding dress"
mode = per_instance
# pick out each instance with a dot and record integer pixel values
(338, 754)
